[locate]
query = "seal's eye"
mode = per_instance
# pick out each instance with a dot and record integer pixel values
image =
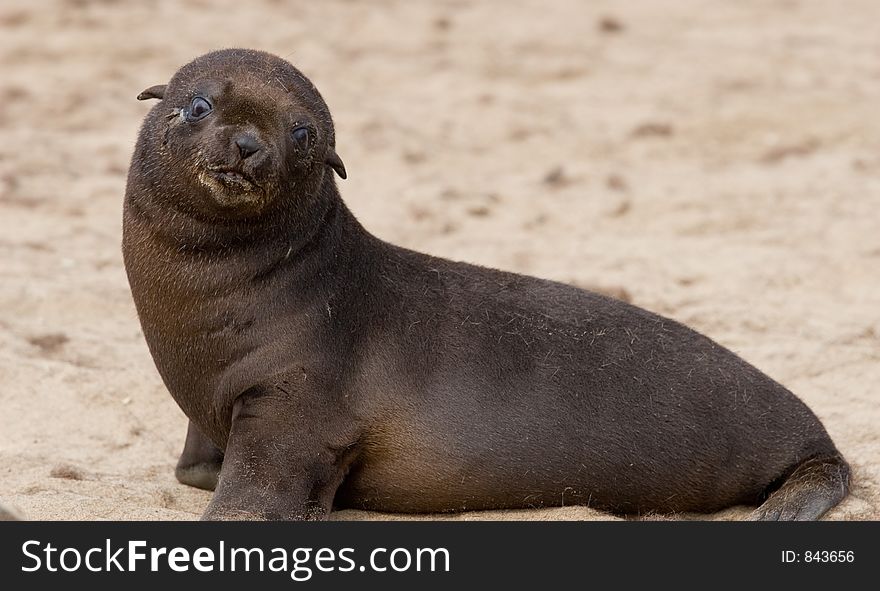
(198, 109)
(301, 136)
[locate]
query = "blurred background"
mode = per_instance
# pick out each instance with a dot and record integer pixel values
(716, 162)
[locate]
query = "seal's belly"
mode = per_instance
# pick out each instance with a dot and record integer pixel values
(424, 472)
(401, 487)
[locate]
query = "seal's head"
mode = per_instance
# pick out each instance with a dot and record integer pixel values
(239, 131)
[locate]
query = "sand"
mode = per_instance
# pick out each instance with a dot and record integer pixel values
(716, 162)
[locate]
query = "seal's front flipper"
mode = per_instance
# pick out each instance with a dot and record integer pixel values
(278, 463)
(808, 493)
(199, 464)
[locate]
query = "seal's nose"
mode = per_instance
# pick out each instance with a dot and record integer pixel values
(248, 145)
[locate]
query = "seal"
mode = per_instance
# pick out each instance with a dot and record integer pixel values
(322, 367)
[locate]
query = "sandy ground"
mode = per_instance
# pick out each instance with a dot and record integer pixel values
(717, 162)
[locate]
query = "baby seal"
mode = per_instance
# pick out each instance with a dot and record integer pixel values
(321, 367)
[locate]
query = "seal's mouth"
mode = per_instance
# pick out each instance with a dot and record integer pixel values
(234, 179)
(232, 188)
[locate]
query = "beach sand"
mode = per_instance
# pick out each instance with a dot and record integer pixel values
(715, 162)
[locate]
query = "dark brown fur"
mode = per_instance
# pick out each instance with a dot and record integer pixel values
(332, 368)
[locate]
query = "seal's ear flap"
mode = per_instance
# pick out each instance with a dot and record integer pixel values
(335, 162)
(153, 92)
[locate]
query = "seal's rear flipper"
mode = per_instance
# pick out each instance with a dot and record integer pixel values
(808, 493)
(199, 464)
